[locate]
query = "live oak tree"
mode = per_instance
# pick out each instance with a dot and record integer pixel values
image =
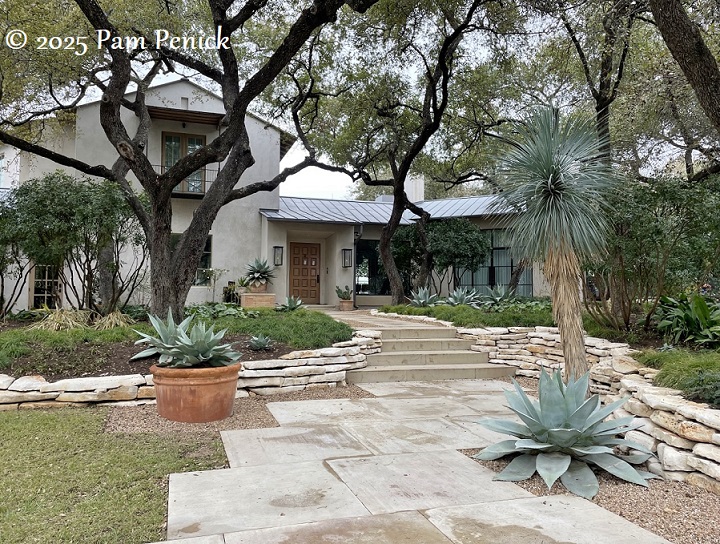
(597, 37)
(39, 90)
(380, 108)
(684, 39)
(610, 57)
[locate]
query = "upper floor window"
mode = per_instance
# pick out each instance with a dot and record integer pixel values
(177, 146)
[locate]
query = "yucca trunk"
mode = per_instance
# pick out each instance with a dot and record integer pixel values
(562, 270)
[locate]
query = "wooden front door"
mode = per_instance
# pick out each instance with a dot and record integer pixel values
(305, 272)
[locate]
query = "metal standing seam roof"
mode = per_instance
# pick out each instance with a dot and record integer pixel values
(319, 210)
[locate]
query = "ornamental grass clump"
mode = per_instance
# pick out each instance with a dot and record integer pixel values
(179, 349)
(62, 320)
(562, 434)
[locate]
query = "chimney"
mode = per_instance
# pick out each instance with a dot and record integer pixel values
(415, 188)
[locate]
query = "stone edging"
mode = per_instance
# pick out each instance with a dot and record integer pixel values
(684, 435)
(291, 372)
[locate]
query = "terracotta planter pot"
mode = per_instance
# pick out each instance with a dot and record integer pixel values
(195, 395)
(346, 305)
(258, 288)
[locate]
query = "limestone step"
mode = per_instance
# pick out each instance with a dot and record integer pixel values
(396, 358)
(393, 333)
(426, 344)
(403, 373)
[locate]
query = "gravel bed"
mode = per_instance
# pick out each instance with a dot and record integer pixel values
(679, 512)
(249, 413)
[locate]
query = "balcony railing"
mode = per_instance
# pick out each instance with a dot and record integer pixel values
(195, 185)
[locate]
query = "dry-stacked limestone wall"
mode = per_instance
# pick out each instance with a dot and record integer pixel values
(684, 435)
(292, 372)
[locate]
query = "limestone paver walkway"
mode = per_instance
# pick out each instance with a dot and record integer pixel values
(384, 470)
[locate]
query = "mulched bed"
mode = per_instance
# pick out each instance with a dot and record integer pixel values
(113, 359)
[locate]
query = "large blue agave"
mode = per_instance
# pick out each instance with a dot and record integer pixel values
(562, 433)
(179, 348)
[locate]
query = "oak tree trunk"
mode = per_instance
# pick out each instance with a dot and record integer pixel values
(689, 50)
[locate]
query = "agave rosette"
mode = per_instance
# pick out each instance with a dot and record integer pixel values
(179, 349)
(463, 296)
(562, 433)
(423, 298)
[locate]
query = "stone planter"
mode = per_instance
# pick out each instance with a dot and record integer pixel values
(345, 305)
(195, 395)
(258, 287)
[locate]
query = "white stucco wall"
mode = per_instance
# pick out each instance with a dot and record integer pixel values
(332, 239)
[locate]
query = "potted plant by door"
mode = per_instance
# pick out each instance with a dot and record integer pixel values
(345, 296)
(242, 285)
(259, 275)
(196, 375)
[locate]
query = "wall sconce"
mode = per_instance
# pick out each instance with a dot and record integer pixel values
(347, 258)
(277, 255)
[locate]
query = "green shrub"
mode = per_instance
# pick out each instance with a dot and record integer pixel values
(138, 312)
(215, 310)
(705, 387)
(301, 329)
(510, 314)
(694, 319)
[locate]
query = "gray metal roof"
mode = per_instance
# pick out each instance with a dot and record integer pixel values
(318, 210)
(469, 206)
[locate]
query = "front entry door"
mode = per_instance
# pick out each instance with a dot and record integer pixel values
(305, 272)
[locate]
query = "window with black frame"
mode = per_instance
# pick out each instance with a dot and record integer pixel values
(370, 278)
(498, 269)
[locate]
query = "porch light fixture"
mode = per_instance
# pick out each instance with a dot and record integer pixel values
(277, 255)
(346, 258)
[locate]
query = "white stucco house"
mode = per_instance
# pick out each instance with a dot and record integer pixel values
(315, 244)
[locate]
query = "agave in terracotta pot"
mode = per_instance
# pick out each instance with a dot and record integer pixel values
(196, 375)
(259, 274)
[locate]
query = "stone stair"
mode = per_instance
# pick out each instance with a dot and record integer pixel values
(426, 353)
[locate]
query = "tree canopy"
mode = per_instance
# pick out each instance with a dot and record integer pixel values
(377, 89)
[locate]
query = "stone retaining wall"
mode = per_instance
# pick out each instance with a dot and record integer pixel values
(684, 435)
(292, 372)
